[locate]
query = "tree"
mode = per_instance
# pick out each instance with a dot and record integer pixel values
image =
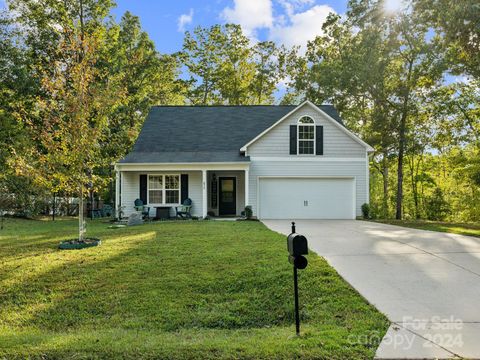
(142, 76)
(201, 55)
(237, 69)
(226, 69)
(73, 116)
(457, 23)
(437, 207)
(268, 61)
(374, 67)
(146, 78)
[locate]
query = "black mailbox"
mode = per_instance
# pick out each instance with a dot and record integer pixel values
(300, 262)
(297, 245)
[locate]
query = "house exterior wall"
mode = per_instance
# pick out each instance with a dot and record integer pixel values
(336, 143)
(303, 168)
(343, 157)
(130, 190)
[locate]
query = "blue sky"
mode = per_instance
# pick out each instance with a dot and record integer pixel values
(284, 21)
(289, 22)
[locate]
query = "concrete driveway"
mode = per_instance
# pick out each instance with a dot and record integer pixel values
(427, 283)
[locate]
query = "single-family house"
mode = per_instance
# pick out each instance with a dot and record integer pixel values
(284, 161)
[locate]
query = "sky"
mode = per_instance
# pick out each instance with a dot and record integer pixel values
(289, 22)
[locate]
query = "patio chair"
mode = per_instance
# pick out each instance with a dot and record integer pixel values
(144, 210)
(184, 211)
(107, 210)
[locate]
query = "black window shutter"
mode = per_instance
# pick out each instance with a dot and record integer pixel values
(184, 185)
(319, 140)
(143, 188)
(293, 139)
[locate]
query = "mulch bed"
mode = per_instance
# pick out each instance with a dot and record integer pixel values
(75, 244)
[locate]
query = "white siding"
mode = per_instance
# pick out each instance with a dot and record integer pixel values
(310, 168)
(130, 191)
(336, 143)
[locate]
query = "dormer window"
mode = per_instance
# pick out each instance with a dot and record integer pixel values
(306, 136)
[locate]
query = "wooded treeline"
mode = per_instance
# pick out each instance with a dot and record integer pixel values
(76, 86)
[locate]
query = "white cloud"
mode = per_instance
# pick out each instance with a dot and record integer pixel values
(294, 22)
(300, 26)
(184, 20)
(250, 14)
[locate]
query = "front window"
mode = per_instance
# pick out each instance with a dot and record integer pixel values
(306, 136)
(172, 189)
(164, 189)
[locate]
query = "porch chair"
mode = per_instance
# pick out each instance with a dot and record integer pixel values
(107, 210)
(184, 211)
(145, 210)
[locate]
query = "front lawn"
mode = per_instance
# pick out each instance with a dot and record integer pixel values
(455, 228)
(177, 290)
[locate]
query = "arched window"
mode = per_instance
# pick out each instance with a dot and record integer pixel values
(306, 136)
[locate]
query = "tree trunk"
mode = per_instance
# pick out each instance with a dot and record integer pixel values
(205, 91)
(385, 186)
(53, 206)
(260, 91)
(81, 223)
(417, 199)
(401, 150)
(92, 201)
(401, 147)
(413, 180)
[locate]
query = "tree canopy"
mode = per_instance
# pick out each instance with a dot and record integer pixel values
(76, 86)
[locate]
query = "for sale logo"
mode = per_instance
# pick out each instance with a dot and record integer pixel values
(444, 332)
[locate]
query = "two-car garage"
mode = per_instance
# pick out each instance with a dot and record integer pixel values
(306, 198)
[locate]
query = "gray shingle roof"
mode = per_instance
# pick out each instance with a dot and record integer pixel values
(186, 134)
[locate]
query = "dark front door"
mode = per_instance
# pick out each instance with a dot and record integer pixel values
(227, 204)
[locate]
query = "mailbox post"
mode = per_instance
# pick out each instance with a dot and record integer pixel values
(297, 246)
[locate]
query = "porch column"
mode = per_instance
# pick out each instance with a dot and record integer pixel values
(204, 193)
(246, 187)
(117, 194)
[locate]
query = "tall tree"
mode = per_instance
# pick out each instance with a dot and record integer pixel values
(73, 116)
(458, 24)
(225, 68)
(237, 69)
(202, 57)
(146, 78)
(374, 66)
(128, 59)
(269, 64)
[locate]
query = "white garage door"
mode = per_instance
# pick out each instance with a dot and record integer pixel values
(306, 198)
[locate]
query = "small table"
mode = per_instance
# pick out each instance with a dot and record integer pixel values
(162, 212)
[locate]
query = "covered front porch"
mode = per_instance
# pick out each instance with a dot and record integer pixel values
(216, 189)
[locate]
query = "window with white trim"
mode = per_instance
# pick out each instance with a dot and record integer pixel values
(306, 136)
(164, 189)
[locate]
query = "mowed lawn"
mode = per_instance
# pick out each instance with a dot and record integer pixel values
(471, 229)
(176, 290)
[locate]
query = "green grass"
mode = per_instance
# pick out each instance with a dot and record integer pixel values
(472, 229)
(176, 290)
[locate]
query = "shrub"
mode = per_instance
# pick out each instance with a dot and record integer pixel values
(366, 211)
(437, 207)
(248, 212)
